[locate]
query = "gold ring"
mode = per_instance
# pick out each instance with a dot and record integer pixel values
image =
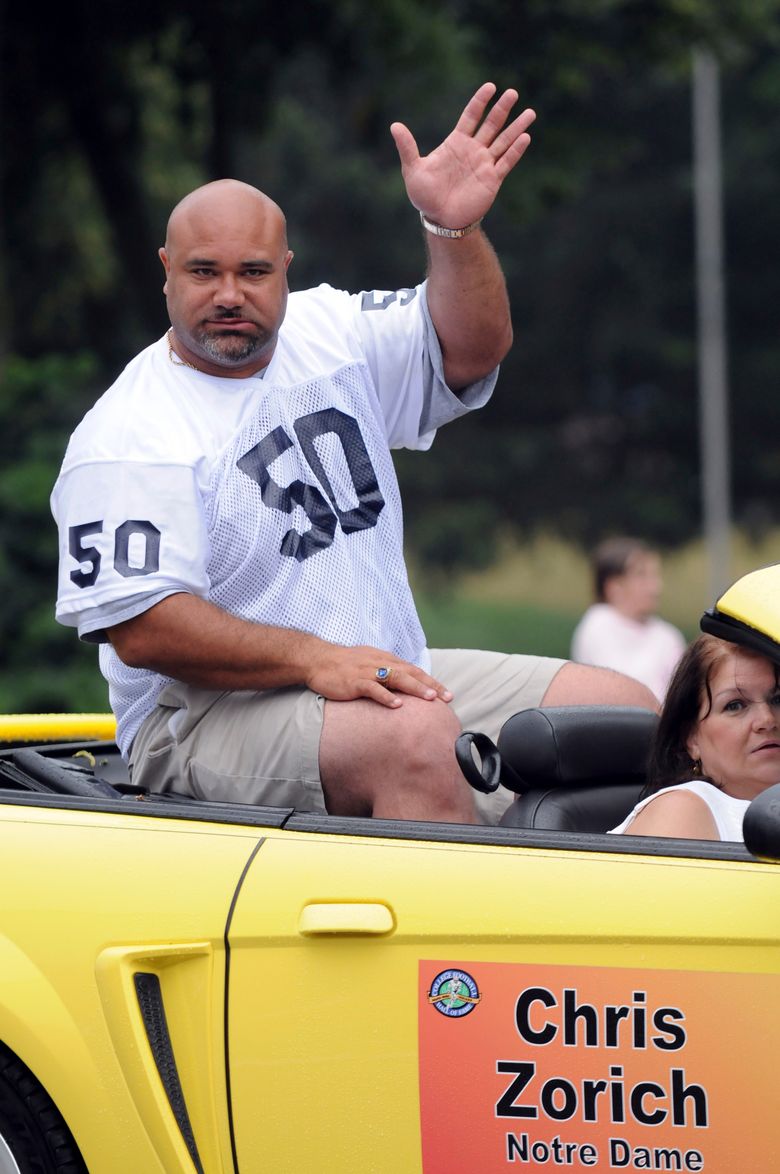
(383, 674)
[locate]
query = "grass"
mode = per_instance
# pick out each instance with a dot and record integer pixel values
(532, 597)
(471, 623)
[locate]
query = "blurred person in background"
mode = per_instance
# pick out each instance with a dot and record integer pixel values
(621, 630)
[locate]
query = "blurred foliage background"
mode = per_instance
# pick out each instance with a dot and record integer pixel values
(109, 115)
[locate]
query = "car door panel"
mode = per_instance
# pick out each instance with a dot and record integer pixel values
(335, 1039)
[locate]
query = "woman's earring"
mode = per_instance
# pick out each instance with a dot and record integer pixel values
(697, 768)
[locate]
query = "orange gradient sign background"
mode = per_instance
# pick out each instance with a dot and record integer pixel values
(570, 1068)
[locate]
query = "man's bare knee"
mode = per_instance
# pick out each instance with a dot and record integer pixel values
(360, 737)
(394, 763)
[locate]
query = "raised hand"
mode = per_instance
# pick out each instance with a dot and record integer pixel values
(457, 183)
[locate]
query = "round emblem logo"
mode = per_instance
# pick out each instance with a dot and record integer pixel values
(454, 993)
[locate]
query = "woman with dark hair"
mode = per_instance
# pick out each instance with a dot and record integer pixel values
(717, 744)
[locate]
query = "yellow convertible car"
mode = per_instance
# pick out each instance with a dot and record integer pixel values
(223, 988)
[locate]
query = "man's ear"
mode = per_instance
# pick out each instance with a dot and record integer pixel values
(287, 260)
(163, 255)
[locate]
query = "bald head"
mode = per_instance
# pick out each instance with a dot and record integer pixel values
(225, 260)
(221, 202)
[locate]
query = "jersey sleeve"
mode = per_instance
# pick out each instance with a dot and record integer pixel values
(404, 356)
(130, 533)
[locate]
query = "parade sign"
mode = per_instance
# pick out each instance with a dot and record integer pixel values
(575, 1067)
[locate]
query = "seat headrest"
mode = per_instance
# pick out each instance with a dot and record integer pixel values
(576, 745)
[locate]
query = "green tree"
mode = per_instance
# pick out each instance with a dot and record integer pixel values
(42, 667)
(107, 122)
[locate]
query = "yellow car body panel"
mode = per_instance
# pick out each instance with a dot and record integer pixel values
(324, 1024)
(115, 894)
(60, 727)
(302, 975)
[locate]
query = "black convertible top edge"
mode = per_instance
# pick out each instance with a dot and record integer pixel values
(520, 838)
(248, 816)
(159, 807)
(97, 796)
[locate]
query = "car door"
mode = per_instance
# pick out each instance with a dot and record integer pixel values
(451, 1006)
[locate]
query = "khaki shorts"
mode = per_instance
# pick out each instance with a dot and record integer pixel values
(263, 747)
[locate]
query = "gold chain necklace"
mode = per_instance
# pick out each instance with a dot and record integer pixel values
(177, 360)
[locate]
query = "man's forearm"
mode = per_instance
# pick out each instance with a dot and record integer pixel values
(469, 307)
(194, 641)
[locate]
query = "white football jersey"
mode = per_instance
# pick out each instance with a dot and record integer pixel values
(273, 497)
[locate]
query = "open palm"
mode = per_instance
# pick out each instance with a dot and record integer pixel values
(457, 183)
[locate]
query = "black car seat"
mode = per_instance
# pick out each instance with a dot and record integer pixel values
(573, 768)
